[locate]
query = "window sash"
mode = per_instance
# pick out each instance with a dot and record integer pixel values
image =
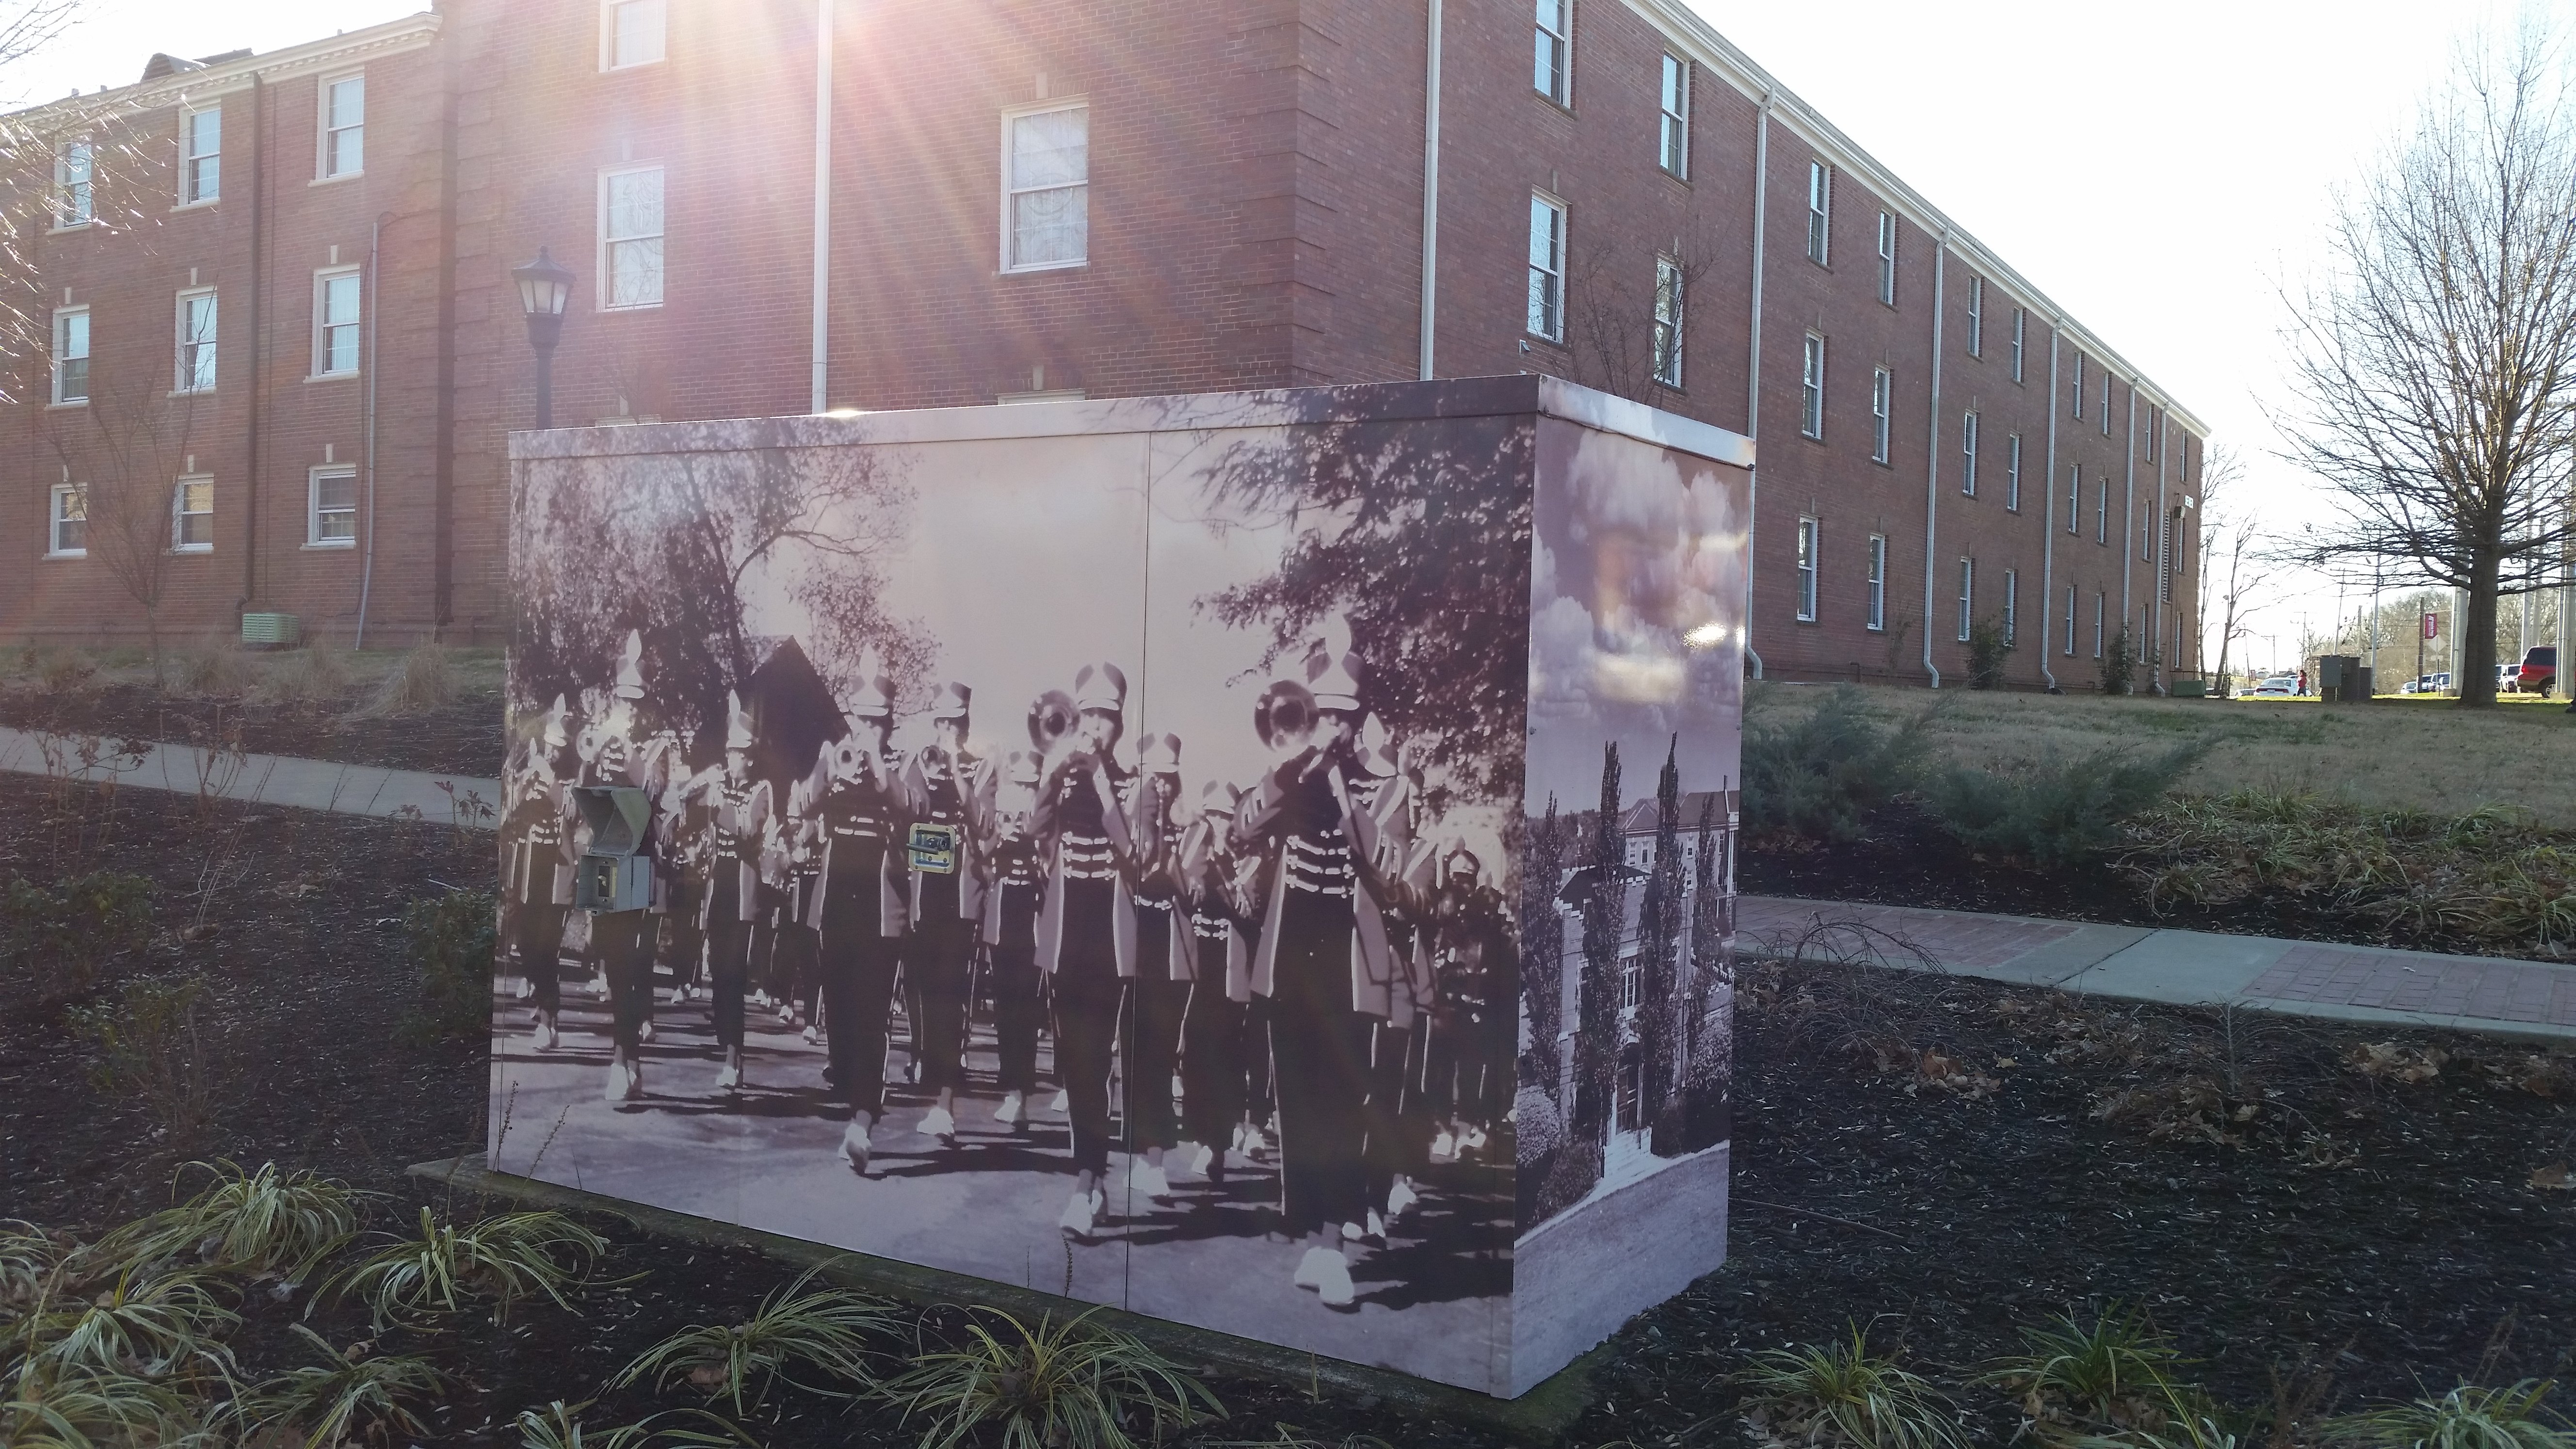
(1968, 450)
(339, 324)
(2079, 386)
(2075, 498)
(1674, 152)
(1880, 386)
(344, 126)
(197, 323)
(637, 32)
(192, 516)
(1976, 316)
(1820, 206)
(1807, 541)
(1967, 597)
(201, 159)
(1877, 582)
(1811, 419)
(1887, 258)
(332, 519)
(75, 173)
(2021, 320)
(2102, 514)
(1549, 68)
(631, 222)
(1546, 269)
(1047, 184)
(69, 519)
(2012, 474)
(71, 356)
(2070, 621)
(2097, 626)
(2012, 607)
(2106, 402)
(1668, 322)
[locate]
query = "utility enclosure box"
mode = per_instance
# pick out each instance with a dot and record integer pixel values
(616, 872)
(1383, 738)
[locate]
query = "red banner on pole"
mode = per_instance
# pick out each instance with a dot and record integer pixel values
(2432, 626)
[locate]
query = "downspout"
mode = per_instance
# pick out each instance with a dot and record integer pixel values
(1753, 370)
(375, 334)
(443, 474)
(1932, 473)
(258, 336)
(1430, 192)
(2162, 541)
(823, 45)
(2129, 526)
(2048, 555)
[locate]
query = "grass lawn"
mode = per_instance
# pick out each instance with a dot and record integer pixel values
(2396, 753)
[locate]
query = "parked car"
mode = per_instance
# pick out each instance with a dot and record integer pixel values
(2427, 684)
(2538, 672)
(2279, 686)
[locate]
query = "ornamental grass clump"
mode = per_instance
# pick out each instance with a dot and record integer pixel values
(1842, 1394)
(2468, 1417)
(503, 1260)
(257, 1221)
(2111, 1379)
(1821, 776)
(826, 1330)
(1068, 1386)
(353, 1393)
(558, 1426)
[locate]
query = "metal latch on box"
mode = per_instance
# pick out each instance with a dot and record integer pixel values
(617, 869)
(934, 849)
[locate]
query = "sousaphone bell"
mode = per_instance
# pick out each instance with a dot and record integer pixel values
(1051, 718)
(1286, 717)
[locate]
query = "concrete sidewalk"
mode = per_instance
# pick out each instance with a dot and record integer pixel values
(263, 779)
(2360, 984)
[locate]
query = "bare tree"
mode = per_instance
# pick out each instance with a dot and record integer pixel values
(2434, 368)
(28, 26)
(129, 451)
(1627, 313)
(2228, 533)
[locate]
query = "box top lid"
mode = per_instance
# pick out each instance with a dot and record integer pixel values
(617, 816)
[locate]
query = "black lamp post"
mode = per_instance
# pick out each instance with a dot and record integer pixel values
(545, 287)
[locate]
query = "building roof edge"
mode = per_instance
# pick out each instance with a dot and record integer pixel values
(402, 34)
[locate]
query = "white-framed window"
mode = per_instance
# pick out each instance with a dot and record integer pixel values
(2012, 473)
(1887, 258)
(1046, 186)
(71, 355)
(1552, 73)
(2077, 391)
(2097, 625)
(630, 238)
(632, 33)
(1807, 570)
(339, 297)
(1882, 389)
(1967, 597)
(1668, 321)
(75, 184)
(1877, 583)
(1546, 268)
(2021, 325)
(2146, 535)
(201, 155)
(1811, 390)
(2106, 402)
(196, 341)
(1968, 454)
(67, 521)
(2070, 621)
(2012, 607)
(1976, 316)
(1673, 131)
(1820, 211)
(344, 126)
(2074, 497)
(331, 508)
(192, 516)
(2102, 513)
(2164, 558)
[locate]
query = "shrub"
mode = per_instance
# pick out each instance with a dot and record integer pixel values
(2467, 1417)
(825, 1329)
(2078, 1380)
(1986, 650)
(1843, 1394)
(150, 1051)
(426, 680)
(351, 1394)
(2119, 665)
(159, 1322)
(451, 939)
(504, 1259)
(261, 1221)
(83, 1409)
(53, 939)
(1820, 777)
(1073, 1386)
(311, 675)
(216, 666)
(2054, 813)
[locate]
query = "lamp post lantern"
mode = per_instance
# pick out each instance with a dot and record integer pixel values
(545, 288)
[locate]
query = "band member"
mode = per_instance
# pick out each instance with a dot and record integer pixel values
(738, 818)
(683, 825)
(1217, 1057)
(947, 793)
(1011, 906)
(1399, 879)
(1323, 958)
(538, 864)
(798, 950)
(1087, 934)
(859, 907)
(1166, 960)
(1468, 1071)
(621, 942)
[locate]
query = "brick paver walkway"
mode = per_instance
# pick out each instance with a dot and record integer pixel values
(2435, 985)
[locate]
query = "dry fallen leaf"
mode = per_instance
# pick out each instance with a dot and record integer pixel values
(2554, 1177)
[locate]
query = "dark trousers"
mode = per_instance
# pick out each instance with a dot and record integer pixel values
(763, 963)
(1088, 995)
(622, 944)
(1392, 1109)
(728, 962)
(858, 990)
(1320, 1050)
(540, 931)
(938, 962)
(1212, 1069)
(1260, 1081)
(799, 954)
(1019, 1008)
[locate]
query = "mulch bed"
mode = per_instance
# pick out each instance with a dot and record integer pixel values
(1927, 1156)
(462, 737)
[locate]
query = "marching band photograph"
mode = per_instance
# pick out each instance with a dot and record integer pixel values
(880, 870)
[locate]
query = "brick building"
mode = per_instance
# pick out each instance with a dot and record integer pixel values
(979, 200)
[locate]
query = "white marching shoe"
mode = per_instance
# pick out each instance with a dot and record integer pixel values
(1256, 1144)
(1149, 1180)
(1353, 1233)
(646, 1035)
(855, 1146)
(1376, 1227)
(547, 1037)
(599, 986)
(1400, 1199)
(786, 1014)
(1079, 1218)
(1328, 1273)
(621, 1084)
(813, 1035)
(1473, 1140)
(1200, 1159)
(940, 1126)
(1062, 1104)
(1444, 1148)
(1013, 1111)
(523, 990)
(1310, 1267)
(731, 1076)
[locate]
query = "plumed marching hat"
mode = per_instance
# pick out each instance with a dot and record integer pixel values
(1217, 800)
(1159, 755)
(551, 730)
(630, 667)
(876, 692)
(1333, 668)
(1021, 767)
(1459, 860)
(1377, 749)
(737, 723)
(1101, 687)
(954, 701)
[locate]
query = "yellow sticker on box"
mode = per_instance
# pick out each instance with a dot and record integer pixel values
(934, 849)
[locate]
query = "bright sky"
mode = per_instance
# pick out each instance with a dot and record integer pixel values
(2158, 172)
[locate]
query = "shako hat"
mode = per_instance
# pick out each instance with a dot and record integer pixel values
(737, 723)
(1333, 668)
(1217, 800)
(630, 667)
(550, 728)
(875, 699)
(1021, 768)
(1377, 749)
(1459, 860)
(1101, 687)
(954, 701)
(1159, 755)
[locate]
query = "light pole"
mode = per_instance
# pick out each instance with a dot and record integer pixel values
(545, 286)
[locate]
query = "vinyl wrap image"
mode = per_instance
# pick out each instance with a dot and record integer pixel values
(1262, 860)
